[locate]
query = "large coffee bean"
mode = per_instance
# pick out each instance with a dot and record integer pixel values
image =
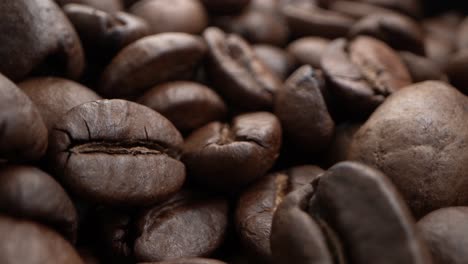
(418, 138)
(23, 134)
(228, 156)
(117, 152)
(351, 214)
(150, 61)
(445, 233)
(236, 72)
(55, 96)
(258, 203)
(26, 242)
(36, 36)
(29, 193)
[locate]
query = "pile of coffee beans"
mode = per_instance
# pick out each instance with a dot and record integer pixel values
(233, 131)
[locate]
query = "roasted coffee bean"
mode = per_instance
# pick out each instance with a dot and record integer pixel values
(440, 37)
(422, 68)
(408, 7)
(351, 214)
(187, 261)
(258, 203)
(301, 108)
(363, 73)
(462, 35)
(187, 105)
(35, 35)
(110, 6)
(338, 149)
(150, 61)
(23, 134)
(30, 193)
(117, 152)
(55, 96)
(456, 70)
(418, 139)
(228, 156)
(277, 60)
(186, 16)
(225, 6)
(308, 50)
(239, 76)
(398, 31)
(104, 34)
(445, 233)
(356, 9)
(187, 225)
(27, 242)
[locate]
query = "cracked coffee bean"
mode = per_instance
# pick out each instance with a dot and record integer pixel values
(363, 72)
(118, 153)
(225, 157)
(350, 214)
(258, 203)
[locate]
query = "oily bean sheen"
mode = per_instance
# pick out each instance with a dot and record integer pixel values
(55, 96)
(187, 105)
(36, 36)
(187, 16)
(308, 50)
(30, 193)
(228, 156)
(104, 34)
(240, 77)
(351, 214)
(23, 134)
(302, 111)
(445, 233)
(187, 225)
(363, 72)
(187, 261)
(150, 61)
(110, 6)
(418, 138)
(258, 203)
(398, 31)
(422, 68)
(26, 242)
(277, 60)
(117, 152)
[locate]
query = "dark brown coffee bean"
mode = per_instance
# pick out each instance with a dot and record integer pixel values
(363, 73)
(55, 96)
(117, 152)
(187, 261)
(422, 68)
(408, 7)
(110, 6)
(445, 233)
(186, 16)
(225, 6)
(462, 35)
(398, 31)
(104, 34)
(187, 225)
(306, 19)
(456, 70)
(418, 139)
(36, 36)
(258, 203)
(27, 242)
(27, 192)
(356, 9)
(240, 77)
(187, 105)
(228, 156)
(150, 61)
(308, 50)
(303, 113)
(338, 149)
(277, 60)
(351, 214)
(23, 134)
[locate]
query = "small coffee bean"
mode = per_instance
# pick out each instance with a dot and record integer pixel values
(277, 60)
(445, 233)
(23, 134)
(109, 6)
(228, 156)
(301, 108)
(258, 203)
(28, 242)
(169, 55)
(187, 105)
(239, 76)
(118, 153)
(30, 193)
(55, 96)
(37, 36)
(422, 68)
(308, 50)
